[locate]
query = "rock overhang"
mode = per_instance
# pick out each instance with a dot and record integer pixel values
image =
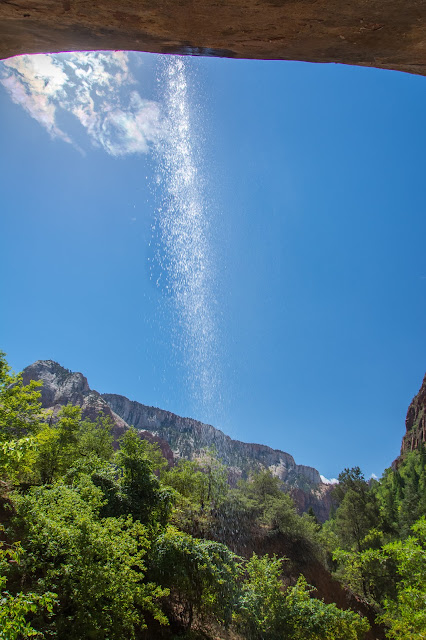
(388, 35)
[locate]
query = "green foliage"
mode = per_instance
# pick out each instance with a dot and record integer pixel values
(358, 511)
(406, 614)
(188, 480)
(201, 575)
(280, 513)
(203, 482)
(17, 459)
(17, 612)
(95, 564)
(20, 408)
(349, 479)
(370, 574)
(262, 486)
(269, 614)
(277, 510)
(312, 619)
(93, 530)
(413, 500)
(145, 498)
(377, 558)
(262, 612)
(201, 489)
(401, 494)
(59, 444)
(234, 519)
(216, 487)
(95, 438)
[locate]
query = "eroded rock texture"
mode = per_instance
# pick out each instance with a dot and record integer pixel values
(188, 438)
(415, 422)
(62, 386)
(179, 437)
(380, 33)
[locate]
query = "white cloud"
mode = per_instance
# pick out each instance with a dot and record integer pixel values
(327, 481)
(97, 88)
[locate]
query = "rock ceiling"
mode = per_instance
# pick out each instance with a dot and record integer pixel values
(379, 33)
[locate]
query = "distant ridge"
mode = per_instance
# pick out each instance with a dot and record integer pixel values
(178, 436)
(188, 437)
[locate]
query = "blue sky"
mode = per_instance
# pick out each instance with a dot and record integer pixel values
(309, 183)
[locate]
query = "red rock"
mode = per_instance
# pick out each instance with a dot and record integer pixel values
(388, 35)
(415, 422)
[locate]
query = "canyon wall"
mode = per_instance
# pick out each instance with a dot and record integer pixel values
(188, 437)
(179, 437)
(415, 422)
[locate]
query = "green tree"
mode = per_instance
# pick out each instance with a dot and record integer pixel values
(388, 494)
(405, 615)
(410, 508)
(57, 445)
(202, 576)
(20, 408)
(401, 494)
(277, 510)
(268, 613)
(311, 619)
(97, 564)
(17, 458)
(261, 611)
(358, 510)
(262, 486)
(61, 443)
(369, 573)
(201, 487)
(188, 480)
(144, 497)
(17, 612)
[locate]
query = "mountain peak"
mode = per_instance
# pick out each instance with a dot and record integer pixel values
(178, 437)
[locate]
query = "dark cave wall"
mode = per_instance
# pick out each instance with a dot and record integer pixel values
(384, 34)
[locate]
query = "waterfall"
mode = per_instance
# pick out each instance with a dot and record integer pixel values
(185, 254)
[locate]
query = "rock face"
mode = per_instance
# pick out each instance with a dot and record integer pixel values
(415, 422)
(320, 499)
(188, 437)
(177, 436)
(388, 35)
(62, 386)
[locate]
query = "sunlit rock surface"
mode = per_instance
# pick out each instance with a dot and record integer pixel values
(188, 437)
(388, 35)
(62, 386)
(415, 422)
(177, 436)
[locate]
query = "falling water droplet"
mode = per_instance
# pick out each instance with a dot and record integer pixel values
(183, 223)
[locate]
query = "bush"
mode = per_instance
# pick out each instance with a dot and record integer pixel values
(202, 576)
(268, 613)
(95, 564)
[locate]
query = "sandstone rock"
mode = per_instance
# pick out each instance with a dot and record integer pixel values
(187, 437)
(415, 422)
(62, 386)
(178, 436)
(319, 498)
(388, 35)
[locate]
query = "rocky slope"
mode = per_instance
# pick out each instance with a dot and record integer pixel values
(188, 437)
(415, 422)
(388, 35)
(177, 436)
(62, 386)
